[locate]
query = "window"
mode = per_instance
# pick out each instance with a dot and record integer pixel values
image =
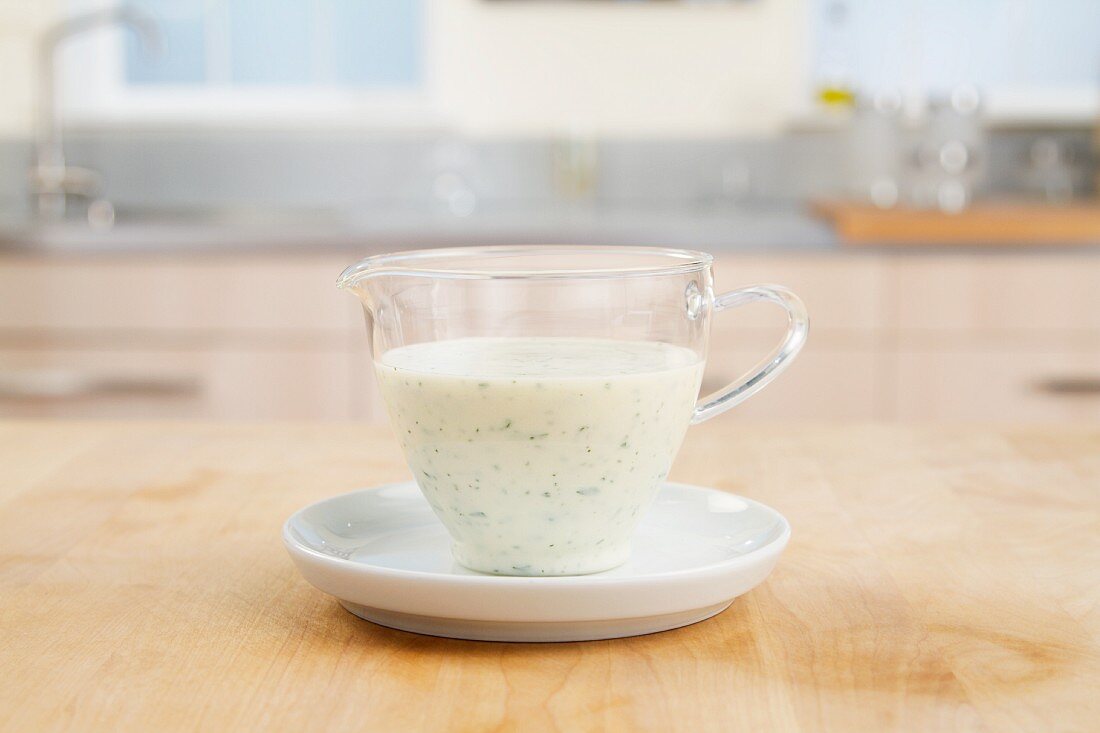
(1027, 56)
(282, 60)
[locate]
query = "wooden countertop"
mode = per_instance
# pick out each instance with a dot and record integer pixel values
(937, 579)
(991, 223)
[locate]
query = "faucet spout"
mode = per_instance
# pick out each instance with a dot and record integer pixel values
(50, 179)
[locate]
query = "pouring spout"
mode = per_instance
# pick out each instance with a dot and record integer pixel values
(352, 279)
(359, 276)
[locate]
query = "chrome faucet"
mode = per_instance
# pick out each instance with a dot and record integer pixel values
(51, 180)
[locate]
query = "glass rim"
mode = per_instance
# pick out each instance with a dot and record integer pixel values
(426, 263)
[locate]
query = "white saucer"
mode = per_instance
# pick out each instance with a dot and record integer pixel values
(387, 559)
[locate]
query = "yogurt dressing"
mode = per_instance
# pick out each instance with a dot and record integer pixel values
(540, 454)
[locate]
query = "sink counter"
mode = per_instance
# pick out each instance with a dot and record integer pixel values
(756, 229)
(707, 228)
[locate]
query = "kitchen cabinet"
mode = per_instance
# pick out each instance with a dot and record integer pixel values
(840, 372)
(1010, 336)
(249, 337)
(842, 292)
(894, 336)
(999, 383)
(275, 383)
(1024, 294)
(162, 294)
(923, 336)
(835, 379)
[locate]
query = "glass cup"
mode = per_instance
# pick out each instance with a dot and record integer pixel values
(540, 393)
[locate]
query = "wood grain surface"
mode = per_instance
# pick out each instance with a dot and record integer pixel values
(985, 223)
(938, 579)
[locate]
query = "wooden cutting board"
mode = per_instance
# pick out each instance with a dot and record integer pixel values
(987, 223)
(938, 579)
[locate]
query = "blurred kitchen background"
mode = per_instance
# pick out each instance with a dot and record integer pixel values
(181, 181)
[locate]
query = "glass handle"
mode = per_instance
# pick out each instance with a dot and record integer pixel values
(798, 326)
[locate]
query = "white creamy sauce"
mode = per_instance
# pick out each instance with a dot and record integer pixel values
(540, 454)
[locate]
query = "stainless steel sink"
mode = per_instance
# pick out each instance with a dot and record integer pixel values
(150, 230)
(403, 226)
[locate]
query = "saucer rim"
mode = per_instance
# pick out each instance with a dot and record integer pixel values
(773, 547)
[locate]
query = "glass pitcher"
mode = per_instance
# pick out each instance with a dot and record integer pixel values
(540, 393)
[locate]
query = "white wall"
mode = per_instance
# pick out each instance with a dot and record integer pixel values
(625, 68)
(552, 66)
